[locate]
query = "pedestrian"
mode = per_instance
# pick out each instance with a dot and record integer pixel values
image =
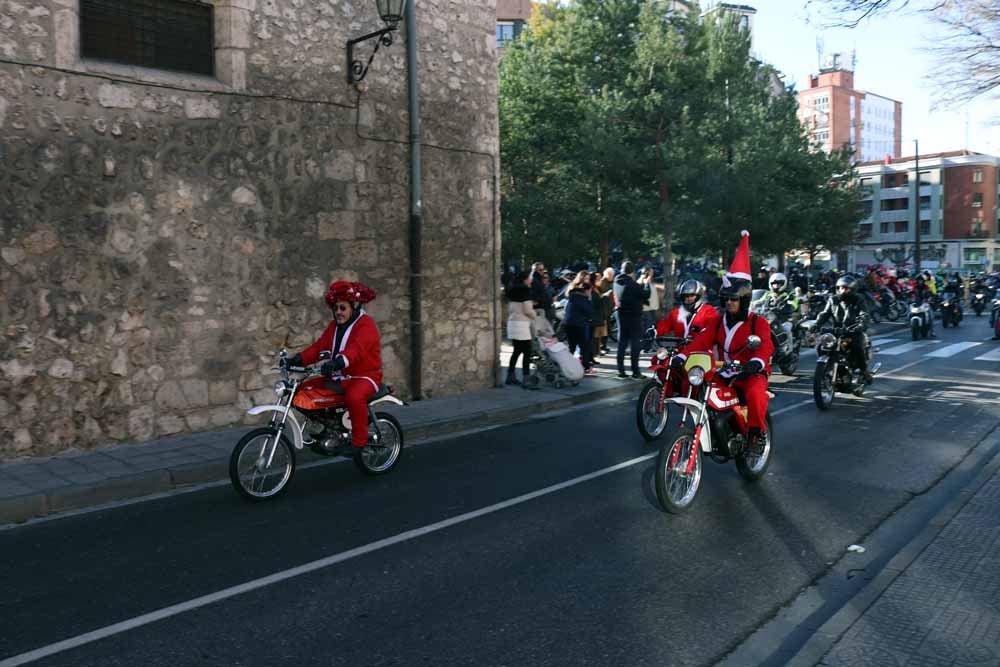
(650, 311)
(521, 316)
(602, 311)
(577, 319)
(629, 299)
(607, 287)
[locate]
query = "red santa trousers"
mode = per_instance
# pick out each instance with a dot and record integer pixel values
(357, 391)
(754, 389)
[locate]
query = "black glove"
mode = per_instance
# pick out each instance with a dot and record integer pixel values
(295, 360)
(330, 367)
(677, 362)
(752, 368)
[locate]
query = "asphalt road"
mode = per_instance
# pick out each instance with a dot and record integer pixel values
(588, 573)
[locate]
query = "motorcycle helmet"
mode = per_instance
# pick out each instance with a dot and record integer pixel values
(736, 288)
(847, 288)
(691, 288)
(778, 282)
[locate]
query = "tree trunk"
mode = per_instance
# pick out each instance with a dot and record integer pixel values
(667, 221)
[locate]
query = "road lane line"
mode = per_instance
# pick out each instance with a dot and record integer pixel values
(277, 577)
(951, 350)
(990, 356)
(907, 347)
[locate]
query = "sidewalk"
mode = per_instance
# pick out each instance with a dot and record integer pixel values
(78, 479)
(936, 603)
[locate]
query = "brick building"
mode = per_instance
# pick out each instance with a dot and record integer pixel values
(512, 15)
(957, 209)
(181, 180)
(838, 114)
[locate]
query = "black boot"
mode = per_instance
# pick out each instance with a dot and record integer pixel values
(511, 379)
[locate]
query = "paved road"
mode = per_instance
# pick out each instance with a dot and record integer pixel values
(590, 572)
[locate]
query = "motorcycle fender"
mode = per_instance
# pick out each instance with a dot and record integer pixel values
(696, 410)
(388, 399)
(296, 427)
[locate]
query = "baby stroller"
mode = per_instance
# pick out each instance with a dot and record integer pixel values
(552, 359)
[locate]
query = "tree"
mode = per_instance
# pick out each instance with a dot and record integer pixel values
(967, 51)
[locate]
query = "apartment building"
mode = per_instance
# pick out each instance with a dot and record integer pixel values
(954, 199)
(838, 114)
(512, 15)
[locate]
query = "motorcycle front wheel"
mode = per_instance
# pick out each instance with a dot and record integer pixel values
(824, 385)
(650, 418)
(676, 488)
(262, 464)
(382, 452)
(791, 365)
(752, 466)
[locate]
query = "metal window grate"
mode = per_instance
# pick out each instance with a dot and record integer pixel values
(162, 34)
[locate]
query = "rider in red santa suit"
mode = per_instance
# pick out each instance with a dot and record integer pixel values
(688, 319)
(731, 334)
(355, 352)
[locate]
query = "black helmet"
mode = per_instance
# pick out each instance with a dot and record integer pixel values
(739, 289)
(847, 287)
(691, 288)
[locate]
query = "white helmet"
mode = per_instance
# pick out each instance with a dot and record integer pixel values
(778, 281)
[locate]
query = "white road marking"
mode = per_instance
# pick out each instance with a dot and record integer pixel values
(907, 347)
(990, 356)
(883, 341)
(951, 350)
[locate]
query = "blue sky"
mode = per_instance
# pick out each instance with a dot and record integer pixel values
(889, 63)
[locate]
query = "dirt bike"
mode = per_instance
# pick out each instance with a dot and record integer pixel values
(833, 372)
(263, 461)
(652, 409)
(720, 432)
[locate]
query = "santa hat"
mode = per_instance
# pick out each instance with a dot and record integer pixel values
(740, 268)
(341, 290)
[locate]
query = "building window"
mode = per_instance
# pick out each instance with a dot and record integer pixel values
(925, 202)
(900, 204)
(977, 175)
(973, 255)
(925, 227)
(977, 200)
(925, 178)
(864, 231)
(745, 22)
(883, 228)
(976, 229)
(865, 208)
(172, 35)
(507, 32)
(902, 227)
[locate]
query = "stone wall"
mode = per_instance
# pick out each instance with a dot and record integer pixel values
(162, 236)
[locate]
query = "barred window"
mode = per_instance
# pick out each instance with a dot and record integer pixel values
(161, 34)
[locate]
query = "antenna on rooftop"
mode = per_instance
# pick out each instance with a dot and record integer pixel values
(819, 53)
(854, 57)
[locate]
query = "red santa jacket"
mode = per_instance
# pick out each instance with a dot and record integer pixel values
(680, 323)
(730, 340)
(361, 348)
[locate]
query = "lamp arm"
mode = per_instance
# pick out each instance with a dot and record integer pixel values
(356, 71)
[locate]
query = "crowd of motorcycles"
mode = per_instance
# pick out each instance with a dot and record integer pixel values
(711, 417)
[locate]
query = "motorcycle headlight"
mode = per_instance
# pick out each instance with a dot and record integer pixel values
(980, 296)
(662, 353)
(827, 340)
(946, 304)
(696, 376)
(280, 389)
(914, 310)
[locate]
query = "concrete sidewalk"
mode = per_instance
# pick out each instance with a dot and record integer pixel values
(936, 603)
(78, 479)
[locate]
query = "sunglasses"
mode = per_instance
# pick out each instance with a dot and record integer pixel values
(342, 308)
(732, 298)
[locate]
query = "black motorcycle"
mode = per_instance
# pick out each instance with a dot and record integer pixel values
(833, 369)
(951, 309)
(980, 298)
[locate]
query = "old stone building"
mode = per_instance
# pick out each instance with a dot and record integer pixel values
(163, 234)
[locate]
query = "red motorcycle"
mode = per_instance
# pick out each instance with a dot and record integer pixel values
(720, 432)
(263, 461)
(652, 408)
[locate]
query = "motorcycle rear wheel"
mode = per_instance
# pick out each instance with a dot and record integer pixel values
(676, 489)
(251, 474)
(649, 419)
(915, 329)
(381, 457)
(789, 367)
(824, 388)
(751, 466)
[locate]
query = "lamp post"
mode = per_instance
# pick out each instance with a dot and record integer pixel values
(391, 12)
(916, 208)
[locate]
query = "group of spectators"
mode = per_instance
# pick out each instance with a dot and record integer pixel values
(592, 299)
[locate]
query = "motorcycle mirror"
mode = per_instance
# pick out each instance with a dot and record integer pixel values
(753, 342)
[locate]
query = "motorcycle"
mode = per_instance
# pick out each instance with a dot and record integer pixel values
(951, 309)
(891, 309)
(720, 432)
(979, 303)
(263, 461)
(652, 409)
(787, 340)
(833, 372)
(920, 319)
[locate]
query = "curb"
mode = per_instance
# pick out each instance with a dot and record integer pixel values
(18, 509)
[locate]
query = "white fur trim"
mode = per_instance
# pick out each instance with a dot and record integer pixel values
(347, 362)
(744, 276)
(762, 364)
(744, 233)
(729, 336)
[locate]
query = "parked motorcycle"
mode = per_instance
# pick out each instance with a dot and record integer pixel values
(920, 319)
(651, 409)
(263, 461)
(951, 309)
(720, 432)
(833, 370)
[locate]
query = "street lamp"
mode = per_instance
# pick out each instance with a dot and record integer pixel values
(391, 12)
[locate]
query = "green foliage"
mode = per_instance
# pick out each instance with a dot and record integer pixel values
(626, 128)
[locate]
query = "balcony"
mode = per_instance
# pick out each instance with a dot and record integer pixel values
(895, 216)
(895, 193)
